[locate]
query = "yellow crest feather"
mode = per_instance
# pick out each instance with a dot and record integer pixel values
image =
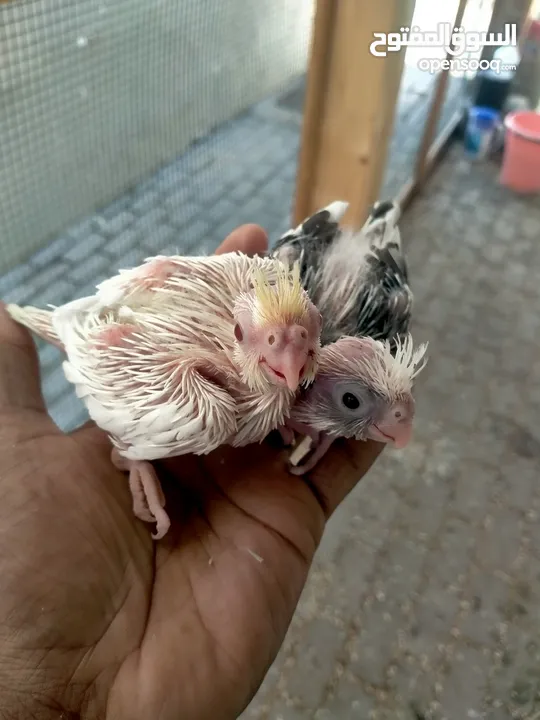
(280, 300)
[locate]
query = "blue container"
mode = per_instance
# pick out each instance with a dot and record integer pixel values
(482, 124)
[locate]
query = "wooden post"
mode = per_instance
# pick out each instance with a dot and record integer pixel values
(411, 188)
(501, 15)
(350, 104)
(532, 7)
(435, 111)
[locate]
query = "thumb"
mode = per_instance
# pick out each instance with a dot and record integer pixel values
(249, 239)
(20, 387)
(343, 466)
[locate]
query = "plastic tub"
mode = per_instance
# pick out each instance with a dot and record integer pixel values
(481, 126)
(521, 161)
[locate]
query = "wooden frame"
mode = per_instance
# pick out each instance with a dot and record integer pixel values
(346, 131)
(495, 25)
(442, 143)
(350, 104)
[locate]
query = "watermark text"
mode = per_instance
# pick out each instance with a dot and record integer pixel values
(435, 65)
(454, 42)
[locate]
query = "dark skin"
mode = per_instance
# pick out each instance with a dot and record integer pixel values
(99, 621)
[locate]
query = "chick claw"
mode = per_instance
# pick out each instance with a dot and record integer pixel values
(287, 435)
(146, 492)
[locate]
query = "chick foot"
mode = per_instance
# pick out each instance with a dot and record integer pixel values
(319, 448)
(320, 443)
(146, 492)
(287, 435)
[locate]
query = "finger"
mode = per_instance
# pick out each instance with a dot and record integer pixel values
(20, 386)
(343, 466)
(249, 239)
(88, 428)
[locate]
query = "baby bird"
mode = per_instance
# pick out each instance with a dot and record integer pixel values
(359, 282)
(362, 390)
(358, 279)
(182, 355)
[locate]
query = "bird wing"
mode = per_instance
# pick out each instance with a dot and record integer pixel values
(154, 399)
(384, 307)
(190, 298)
(383, 232)
(357, 279)
(309, 241)
(161, 279)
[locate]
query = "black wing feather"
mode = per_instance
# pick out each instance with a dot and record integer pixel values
(383, 306)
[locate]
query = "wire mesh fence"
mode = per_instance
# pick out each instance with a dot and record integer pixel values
(98, 95)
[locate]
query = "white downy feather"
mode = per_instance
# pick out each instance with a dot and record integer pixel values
(150, 384)
(345, 267)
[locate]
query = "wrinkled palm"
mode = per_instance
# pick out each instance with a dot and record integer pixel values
(98, 620)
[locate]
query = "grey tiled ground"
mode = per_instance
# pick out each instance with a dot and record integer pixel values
(244, 171)
(424, 601)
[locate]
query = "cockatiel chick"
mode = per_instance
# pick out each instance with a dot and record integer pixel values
(358, 279)
(359, 282)
(182, 355)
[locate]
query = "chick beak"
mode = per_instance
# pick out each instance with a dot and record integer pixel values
(292, 364)
(398, 434)
(402, 434)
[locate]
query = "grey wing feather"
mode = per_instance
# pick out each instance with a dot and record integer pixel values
(309, 242)
(359, 280)
(382, 225)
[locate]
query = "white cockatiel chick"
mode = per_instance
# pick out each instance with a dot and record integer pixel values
(184, 354)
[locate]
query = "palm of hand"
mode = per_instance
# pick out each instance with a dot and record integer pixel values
(98, 619)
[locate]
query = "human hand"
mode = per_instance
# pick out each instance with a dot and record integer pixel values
(98, 621)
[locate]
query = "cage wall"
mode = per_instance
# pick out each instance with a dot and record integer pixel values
(98, 94)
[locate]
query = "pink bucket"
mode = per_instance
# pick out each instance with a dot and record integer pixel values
(521, 163)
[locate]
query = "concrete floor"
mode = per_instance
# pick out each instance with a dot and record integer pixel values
(424, 600)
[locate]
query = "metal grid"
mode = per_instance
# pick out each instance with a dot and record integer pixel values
(97, 95)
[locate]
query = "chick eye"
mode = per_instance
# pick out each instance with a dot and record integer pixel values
(350, 401)
(397, 414)
(238, 334)
(271, 339)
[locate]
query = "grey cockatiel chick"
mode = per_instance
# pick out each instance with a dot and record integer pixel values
(358, 279)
